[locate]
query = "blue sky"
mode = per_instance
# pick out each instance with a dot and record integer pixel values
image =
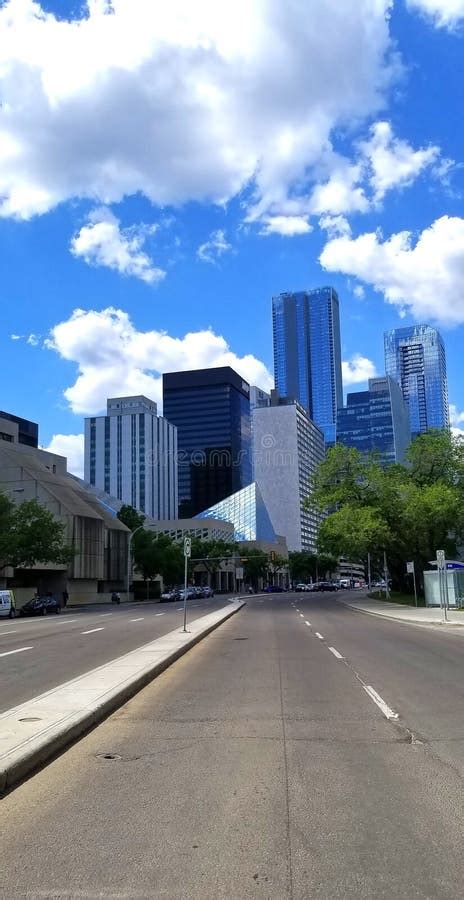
(164, 172)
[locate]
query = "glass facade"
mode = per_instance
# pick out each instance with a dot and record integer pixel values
(247, 512)
(415, 358)
(211, 409)
(307, 354)
(376, 420)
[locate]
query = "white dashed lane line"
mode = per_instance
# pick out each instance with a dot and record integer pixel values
(92, 630)
(7, 632)
(335, 653)
(18, 650)
(320, 636)
(159, 614)
(137, 620)
(104, 614)
(388, 713)
(307, 623)
(302, 616)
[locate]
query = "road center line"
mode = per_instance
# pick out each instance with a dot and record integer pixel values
(137, 620)
(302, 616)
(320, 636)
(19, 650)
(92, 630)
(7, 632)
(104, 614)
(388, 713)
(159, 614)
(335, 653)
(307, 623)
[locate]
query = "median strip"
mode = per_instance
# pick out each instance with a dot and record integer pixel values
(34, 731)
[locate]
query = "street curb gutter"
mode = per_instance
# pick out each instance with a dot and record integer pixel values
(34, 731)
(427, 623)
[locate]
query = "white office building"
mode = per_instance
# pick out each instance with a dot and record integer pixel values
(287, 448)
(131, 453)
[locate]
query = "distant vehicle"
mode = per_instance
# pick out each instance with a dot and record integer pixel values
(191, 595)
(208, 591)
(40, 606)
(273, 589)
(199, 591)
(301, 587)
(170, 595)
(327, 586)
(7, 604)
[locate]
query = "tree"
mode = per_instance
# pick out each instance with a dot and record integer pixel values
(353, 532)
(130, 517)
(211, 553)
(255, 565)
(157, 554)
(276, 565)
(30, 534)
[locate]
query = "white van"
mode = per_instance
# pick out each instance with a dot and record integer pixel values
(7, 604)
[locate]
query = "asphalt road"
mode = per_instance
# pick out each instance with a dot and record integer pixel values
(38, 653)
(266, 763)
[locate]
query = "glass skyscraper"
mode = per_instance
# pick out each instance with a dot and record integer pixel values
(211, 410)
(307, 354)
(415, 358)
(376, 420)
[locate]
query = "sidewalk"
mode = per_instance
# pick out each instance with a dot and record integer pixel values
(418, 616)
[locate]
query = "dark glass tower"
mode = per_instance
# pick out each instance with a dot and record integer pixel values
(211, 409)
(376, 420)
(307, 354)
(415, 358)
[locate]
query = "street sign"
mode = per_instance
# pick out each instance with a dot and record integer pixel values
(239, 573)
(410, 568)
(187, 547)
(441, 559)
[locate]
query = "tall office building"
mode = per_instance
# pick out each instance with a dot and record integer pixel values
(131, 453)
(211, 410)
(415, 358)
(287, 448)
(376, 420)
(307, 354)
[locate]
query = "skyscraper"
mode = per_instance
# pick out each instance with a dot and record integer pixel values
(415, 358)
(211, 410)
(131, 453)
(307, 354)
(376, 420)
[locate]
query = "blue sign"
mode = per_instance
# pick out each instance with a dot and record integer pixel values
(455, 565)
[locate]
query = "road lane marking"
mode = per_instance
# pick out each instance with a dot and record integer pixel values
(320, 636)
(179, 608)
(302, 616)
(19, 650)
(92, 630)
(307, 623)
(7, 632)
(64, 622)
(388, 713)
(297, 609)
(104, 614)
(138, 620)
(159, 614)
(335, 653)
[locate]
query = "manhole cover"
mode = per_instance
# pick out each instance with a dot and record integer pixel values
(31, 719)
(108, 756)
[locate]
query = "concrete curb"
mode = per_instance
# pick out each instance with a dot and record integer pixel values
(425, 623)
(34, 731)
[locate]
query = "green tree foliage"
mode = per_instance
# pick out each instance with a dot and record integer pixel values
(275, 566)
(130, 517)
(156, 554)
(255, 565)
(29, 535)
(211, 553)
(306, 567)
(410, 511)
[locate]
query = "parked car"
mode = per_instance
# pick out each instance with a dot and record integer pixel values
(191, 595)
(40, 606)
(208, 591)
(199, 591)
(273, 589)
(170, 595)
(327, 586)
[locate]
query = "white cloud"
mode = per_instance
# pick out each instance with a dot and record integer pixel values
(359, 291)
(357, 370)
(102, 242)
(214, 247)
(456, 416)
(182, 101)
(341, 193)
(287, 226)
(33, 340)
(335, 225)
(114, 359)
(444, 13)
(72, 447)
(424, 276)
(16, 337)
(393, 162)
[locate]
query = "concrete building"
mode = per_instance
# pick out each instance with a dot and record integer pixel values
(15, 430)
(307, 354)
(131, 453)
(415, 358)
(99, 539)
(258, 398)
(376, 420)
(211, 410)
(287, 448)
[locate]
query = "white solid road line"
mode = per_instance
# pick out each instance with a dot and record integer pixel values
(137, 620)
(307, 623)
(335, 653)
(19, 650)
(92, 630)
(388, 713)
(320, 636)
